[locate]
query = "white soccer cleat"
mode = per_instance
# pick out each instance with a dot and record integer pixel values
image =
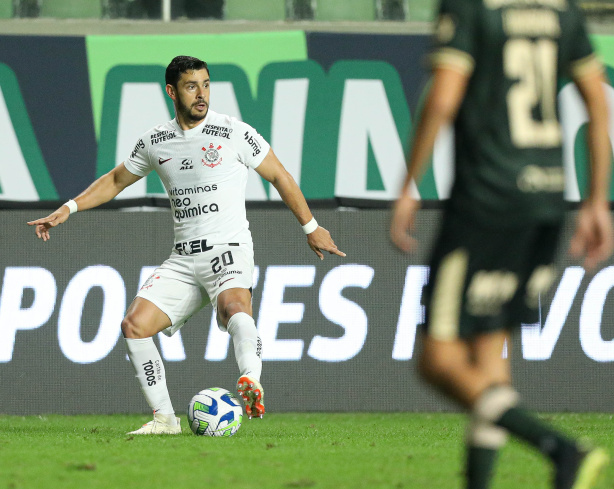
(252, 393)
(160, 425)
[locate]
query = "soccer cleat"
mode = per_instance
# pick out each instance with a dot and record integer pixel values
(251, 392)
(158, 426)
(582, 470)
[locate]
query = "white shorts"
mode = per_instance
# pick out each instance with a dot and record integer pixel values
(184, 284)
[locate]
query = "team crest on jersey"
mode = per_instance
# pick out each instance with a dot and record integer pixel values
(149, 282)
(212, 156)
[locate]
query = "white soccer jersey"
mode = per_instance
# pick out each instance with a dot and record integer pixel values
(204, 171)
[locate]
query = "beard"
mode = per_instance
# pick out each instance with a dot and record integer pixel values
(187, 113)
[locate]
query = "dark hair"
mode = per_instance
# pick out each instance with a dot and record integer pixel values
(182, 64)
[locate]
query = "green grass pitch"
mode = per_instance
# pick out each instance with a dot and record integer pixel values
(351, 450)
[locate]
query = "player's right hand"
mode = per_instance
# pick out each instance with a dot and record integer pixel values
(44, 224)
(403, 221)
(593, 239)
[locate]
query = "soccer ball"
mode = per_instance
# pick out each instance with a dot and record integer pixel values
(215, 412)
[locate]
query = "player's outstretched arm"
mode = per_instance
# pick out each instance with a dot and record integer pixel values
(443, 100)
(593, 238)
(318, 238)
(100, 191)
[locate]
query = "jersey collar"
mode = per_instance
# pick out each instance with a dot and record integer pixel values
(195, 130)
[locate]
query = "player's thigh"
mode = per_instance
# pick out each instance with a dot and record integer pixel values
(445, 291)
(223, 269)
(232, 301)
(174, 291)
(439, 358)
(487, 356)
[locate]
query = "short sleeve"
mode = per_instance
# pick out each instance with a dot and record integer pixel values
(250, 146)
(455, 35)
(138, 161)
(582, 59)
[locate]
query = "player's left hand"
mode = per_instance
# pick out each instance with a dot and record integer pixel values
(402, 224)
(320, 240)
(594, 235)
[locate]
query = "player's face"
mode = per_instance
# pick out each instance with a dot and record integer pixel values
(192, 96)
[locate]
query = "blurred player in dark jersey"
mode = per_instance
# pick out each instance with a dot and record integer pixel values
(496, 66)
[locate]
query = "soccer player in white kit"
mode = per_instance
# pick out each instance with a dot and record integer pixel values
(203, 159)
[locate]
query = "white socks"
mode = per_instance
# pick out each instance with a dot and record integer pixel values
(149, 368)
(150, 373)
(247, 344)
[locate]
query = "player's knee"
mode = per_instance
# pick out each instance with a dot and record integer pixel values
(500, 376)
(230, 309)
(494, 401)
(131, 328)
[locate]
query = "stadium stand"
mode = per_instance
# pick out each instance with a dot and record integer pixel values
(6, 10)
(71, 9)
(421, 10)
(357, 10)
(250, 10)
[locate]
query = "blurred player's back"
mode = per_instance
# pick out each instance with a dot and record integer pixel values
(518, 50)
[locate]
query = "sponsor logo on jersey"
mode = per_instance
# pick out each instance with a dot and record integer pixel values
(219, 131)
(192, 247)
(196, 189)
(224, 273)
(534, 178)
(187, 164)
(162, 136)
(212, 156)
(253, 142)
(195, 211)
(161, 161)
(138, 146)
(489, 290)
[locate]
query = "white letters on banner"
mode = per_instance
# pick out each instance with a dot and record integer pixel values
(412, 312)
(224, 101)
(274, 311)
(142, 104)
(591, 339)
(573, 116)
(288, 126)
(339, 310)
(277, 313)
(538, 343)
(15, 179)
(69, 318)
(13, 317)
(366, 118)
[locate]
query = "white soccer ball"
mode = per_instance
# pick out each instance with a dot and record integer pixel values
(215, 412)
